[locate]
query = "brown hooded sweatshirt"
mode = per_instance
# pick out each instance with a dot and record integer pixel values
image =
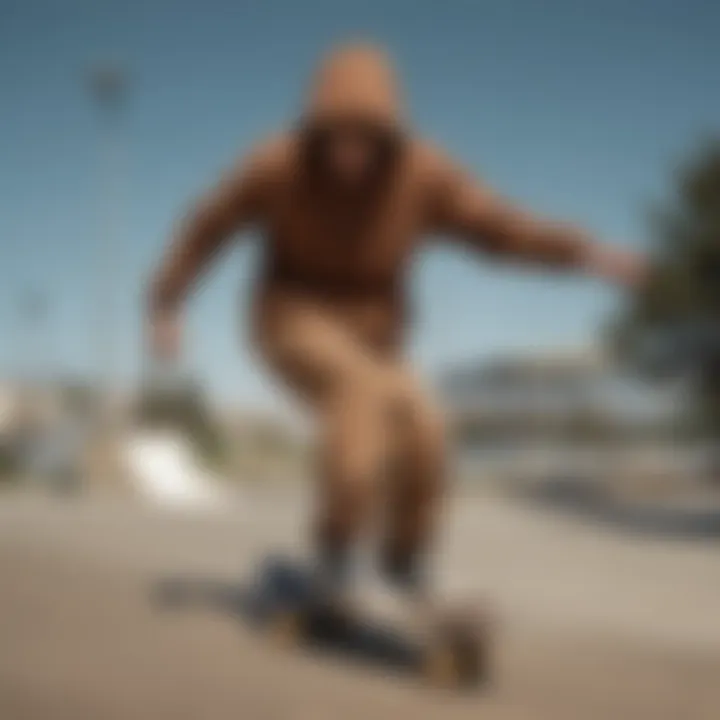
(351, 257)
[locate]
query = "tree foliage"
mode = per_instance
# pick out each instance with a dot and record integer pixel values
(678, 311)
(182, 407)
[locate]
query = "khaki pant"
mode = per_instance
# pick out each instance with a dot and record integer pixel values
(377, 424)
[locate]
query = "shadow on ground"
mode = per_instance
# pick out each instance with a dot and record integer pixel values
(279, 583)
(591, 502)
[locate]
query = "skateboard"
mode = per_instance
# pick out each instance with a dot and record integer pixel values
(448, 647)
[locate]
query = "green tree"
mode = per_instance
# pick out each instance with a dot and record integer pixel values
(678, 310)
(183, 408)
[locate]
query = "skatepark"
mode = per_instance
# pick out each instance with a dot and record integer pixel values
(130, 600)
(504, 214)
(593, 623)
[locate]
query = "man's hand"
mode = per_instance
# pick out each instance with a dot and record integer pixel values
(615, 265)
(165, 336)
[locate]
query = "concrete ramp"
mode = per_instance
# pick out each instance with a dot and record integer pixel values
(165, 470)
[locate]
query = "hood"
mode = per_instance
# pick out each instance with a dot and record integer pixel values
(355, 82)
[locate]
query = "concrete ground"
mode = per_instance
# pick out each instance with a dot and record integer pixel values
(594, 624)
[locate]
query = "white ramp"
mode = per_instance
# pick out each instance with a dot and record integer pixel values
(164, 470)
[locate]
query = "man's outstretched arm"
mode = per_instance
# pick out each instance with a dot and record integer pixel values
(239, 200)
(464, 208)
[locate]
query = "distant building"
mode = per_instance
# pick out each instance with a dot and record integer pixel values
(556, 394)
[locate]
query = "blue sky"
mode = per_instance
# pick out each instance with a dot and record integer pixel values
(577, 109)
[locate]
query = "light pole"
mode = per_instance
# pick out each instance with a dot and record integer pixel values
(32, 313)
(108, 87)
(32, 307)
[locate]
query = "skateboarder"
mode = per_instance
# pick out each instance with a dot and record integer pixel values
(343, 200)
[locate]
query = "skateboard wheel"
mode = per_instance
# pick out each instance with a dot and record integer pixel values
(286, 629)
(441, 667)
(470, 658)
(454, 666)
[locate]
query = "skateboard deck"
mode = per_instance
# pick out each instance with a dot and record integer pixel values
(447, 646)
